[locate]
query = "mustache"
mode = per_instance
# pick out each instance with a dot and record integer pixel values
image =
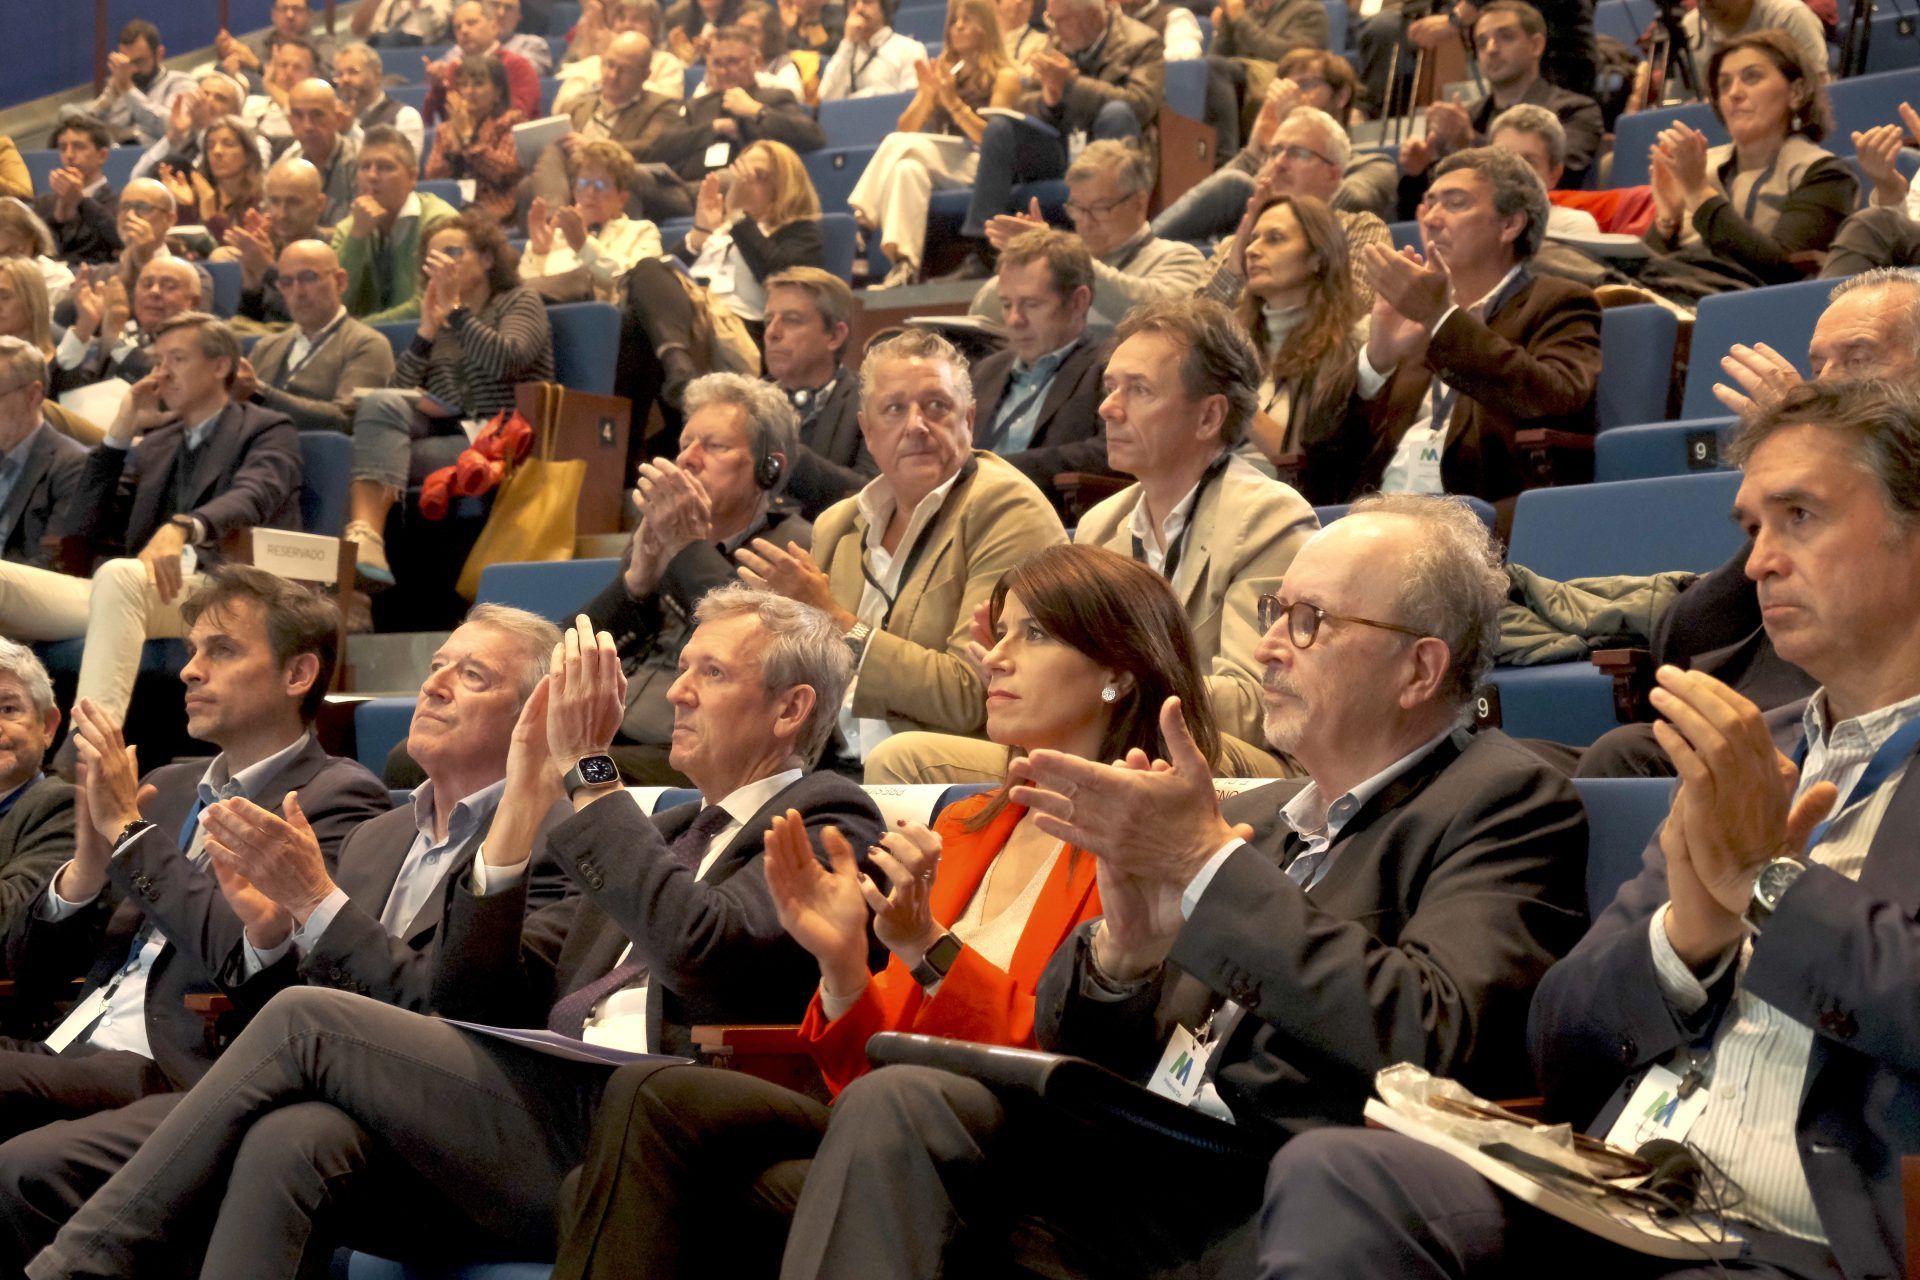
(1273, 681)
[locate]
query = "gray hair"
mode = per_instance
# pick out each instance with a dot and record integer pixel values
(1077, 4)
(1220, 358)
(1881, 420)
(1123, 160)
(1339, 145)
(803, 647)
(21, 362)
(365, 50)
(917, 344)
(532, 634)
(1454, 584)
(772, 425)
(1907, 278)
(1528, 117)
(17, 660)
(1516, 189)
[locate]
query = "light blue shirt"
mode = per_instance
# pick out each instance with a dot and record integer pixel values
(1026, 392)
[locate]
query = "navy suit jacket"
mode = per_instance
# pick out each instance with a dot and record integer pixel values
(42, 496)
(248, 474)
(149, 879)
(714, 946)
(1841, 956)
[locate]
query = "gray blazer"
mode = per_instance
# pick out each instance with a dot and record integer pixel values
(317, 394)
(49, 478)
(36, 838)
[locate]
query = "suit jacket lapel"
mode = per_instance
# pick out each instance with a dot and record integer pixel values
(1065, 379)
(154, 459)
(217, 454)
(991, 391)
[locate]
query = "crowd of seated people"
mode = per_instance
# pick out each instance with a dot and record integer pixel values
(1241, 834)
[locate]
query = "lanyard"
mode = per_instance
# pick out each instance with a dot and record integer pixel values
(313, 348)
(1003, 426)
(1891, 756)
(1171, 565)
(914, 551)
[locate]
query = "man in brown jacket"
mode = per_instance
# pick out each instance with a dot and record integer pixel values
(1466, 348)
(623, 111)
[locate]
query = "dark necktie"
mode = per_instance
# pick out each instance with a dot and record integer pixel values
(183, 465)
(568, 1017)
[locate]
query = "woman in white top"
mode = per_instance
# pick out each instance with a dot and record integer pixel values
(593, 233)
(1022, 36)
(762, 218)
(936, 145)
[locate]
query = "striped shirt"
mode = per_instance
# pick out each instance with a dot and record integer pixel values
(477, 358)
(1758, 1067)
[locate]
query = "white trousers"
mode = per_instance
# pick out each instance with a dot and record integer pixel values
(892, 195)
(117, 610)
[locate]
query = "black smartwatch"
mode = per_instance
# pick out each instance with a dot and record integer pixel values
(591, 771)
(938, 961)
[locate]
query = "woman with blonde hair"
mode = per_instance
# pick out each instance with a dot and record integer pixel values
(26, 312)
(936, 145)
(760, 218)
(1302, 310)
(24, 236)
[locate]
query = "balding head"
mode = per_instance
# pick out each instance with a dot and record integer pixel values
(167, 287)
(313, 114)
(295, 199)
(220, 95)
(1870, 329)
(146, 198)
(312, 282)
(624, 67)
(473, 29)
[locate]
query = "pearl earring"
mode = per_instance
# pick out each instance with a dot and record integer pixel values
(1110, 694)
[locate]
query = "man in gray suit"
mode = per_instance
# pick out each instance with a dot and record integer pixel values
(39, 467)
(36, 811)
(313, 371)
(1398, 908)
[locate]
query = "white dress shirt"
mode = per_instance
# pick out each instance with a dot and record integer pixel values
(882, 585)
(885, 65)
(1757, 1070)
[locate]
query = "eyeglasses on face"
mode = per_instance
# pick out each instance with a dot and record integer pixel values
(1304, 618)
(601, 185)
(1300, 155)
(1099, 209)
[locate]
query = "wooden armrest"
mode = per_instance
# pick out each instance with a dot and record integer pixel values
(211, 1006)
(1556, 457)
(773, 1053)
(1910, 1194)
(6, 988)
(1082, 491)
(1632, 672)
(70, 555)
(1533, 1108)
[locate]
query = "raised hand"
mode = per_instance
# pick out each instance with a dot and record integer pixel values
(177, 186)
(572, 226)
(824, 909)
(675, 509)
(1415, 155)
(252, 240)
(367, 216)
(587, 696)
(245, 380)
(903, 915)
(1685, 149)
(792, 573)
(1878, 149)
(1448, 126)
(710, 205)
(1763, 375)
(267, 922)
(539, 226)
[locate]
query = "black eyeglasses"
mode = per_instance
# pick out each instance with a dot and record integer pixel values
(1304, 619)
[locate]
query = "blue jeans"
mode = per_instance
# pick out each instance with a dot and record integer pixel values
(1016, 151)
(1212, 207)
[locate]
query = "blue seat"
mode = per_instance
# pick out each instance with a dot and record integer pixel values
(1406, 235)
(834, 171)
(1336, 24)
(1569, 702)
(226, 287)
(586, 344)
(1634, 134)
(326, 470)
(554, 590)
(409, 95)
(1628, 526)
(447, 189)
(1186, 90)
(1890, 49)
(1623, 815)
(42, 161)
(1781, 315)
(1660, 449)
(380, 725)
(1622, 20)
(399, 334)
(1206, 32)
(921, 24)
(549, 89)
(839, 231)
(426, 149)
(405, 64)
(563, 17)
(1636, 359)
(1865, 101)
(364, 1266)
(695, 77)
(673, 796)
(860, 122)
(557, 47)
(947, 210)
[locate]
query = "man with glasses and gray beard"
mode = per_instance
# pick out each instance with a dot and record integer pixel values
(1398, 907)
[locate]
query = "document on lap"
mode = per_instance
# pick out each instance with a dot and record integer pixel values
(555, 1045)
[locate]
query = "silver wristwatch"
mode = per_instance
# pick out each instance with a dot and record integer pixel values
(1769, 887)
(856, 638)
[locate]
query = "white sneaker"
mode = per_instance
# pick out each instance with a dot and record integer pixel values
(371, 555)
(903, 274)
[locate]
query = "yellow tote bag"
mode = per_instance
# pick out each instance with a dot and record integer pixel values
(533, 512)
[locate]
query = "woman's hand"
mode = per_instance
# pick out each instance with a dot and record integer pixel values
(203, 194)
(903, 915)
(824, 909)
(1686, 151)
(459, 117)
(710, 206)
(1669, 201)
(177, 186)
(1879, 151)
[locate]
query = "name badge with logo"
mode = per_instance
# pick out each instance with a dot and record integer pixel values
(1664, 1105)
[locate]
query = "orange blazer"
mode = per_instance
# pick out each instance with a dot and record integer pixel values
(976, 1001)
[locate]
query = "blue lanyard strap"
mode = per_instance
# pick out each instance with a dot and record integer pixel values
(1892, 755)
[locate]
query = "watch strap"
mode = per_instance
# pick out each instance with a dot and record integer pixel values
(938, 960)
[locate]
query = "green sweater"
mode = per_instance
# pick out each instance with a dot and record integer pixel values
(401, 300)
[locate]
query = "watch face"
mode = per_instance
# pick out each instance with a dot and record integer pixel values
(598, 770)
(1775, 878)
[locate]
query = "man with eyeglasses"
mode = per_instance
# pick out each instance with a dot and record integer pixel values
(295, 201)
(1509, 37)
(622, 111)
(314, 370)
(1367, 181)
(902, 565)
(1108, 188)
(718, 125)
(114, 328)
(1306, 155)
(1397, 907)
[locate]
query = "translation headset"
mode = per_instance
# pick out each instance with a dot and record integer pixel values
(768, 467)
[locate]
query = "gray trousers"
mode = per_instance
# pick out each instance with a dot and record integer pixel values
(337, 1120)
(1212, 207)
(384, 427)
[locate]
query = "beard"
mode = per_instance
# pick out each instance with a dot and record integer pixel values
(1284, 718)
